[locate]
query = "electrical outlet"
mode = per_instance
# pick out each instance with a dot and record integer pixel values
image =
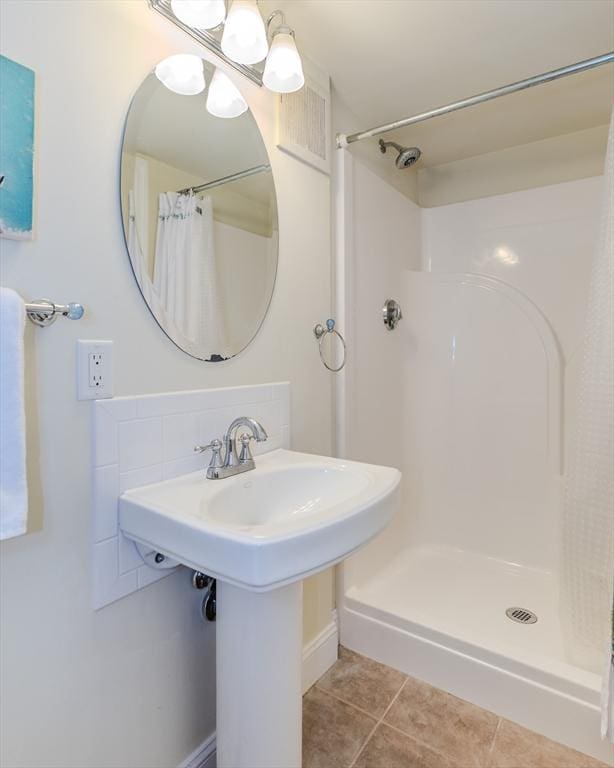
(94, 369)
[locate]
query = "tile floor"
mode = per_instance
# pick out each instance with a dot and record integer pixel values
(362, 714)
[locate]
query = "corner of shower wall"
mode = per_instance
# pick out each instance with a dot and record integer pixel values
(369, 269)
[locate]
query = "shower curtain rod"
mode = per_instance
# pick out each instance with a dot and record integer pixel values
(521, 85)
(226, 179)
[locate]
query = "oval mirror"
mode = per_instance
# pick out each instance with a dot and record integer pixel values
(200, 215)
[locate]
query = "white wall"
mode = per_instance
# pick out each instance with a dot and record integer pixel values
(382, 241)
(245, 265)
(131, 685)
(554, 160)
(368, 153)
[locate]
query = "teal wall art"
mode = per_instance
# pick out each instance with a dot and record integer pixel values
(16, 149)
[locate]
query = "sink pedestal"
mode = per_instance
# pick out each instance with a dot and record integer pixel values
(259, 666)
(290, 517)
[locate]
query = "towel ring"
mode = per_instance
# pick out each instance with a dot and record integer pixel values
(320, 332)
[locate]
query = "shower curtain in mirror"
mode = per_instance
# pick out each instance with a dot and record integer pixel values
(588, 509)
(185, 272)
(137, 226)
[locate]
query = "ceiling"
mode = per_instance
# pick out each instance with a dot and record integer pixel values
(389, 59)
(179, 131)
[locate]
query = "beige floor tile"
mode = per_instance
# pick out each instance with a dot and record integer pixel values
(516, 747)
(362, 682)
(454, 727)
(388, 748)
(333, 732)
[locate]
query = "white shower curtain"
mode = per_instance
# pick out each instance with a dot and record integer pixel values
(588, 509)
(137, 227)
(185, 271)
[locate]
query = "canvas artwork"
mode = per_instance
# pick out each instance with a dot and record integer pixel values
(16, 149)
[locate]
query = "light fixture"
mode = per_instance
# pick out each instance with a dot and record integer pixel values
(283, 71)
(182, 73)
(244, 38)
(200, 14)
(224, 98)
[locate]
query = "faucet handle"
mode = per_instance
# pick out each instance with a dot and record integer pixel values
(245, 454)
(216, 452)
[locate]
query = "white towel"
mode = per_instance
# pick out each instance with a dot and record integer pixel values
(607, 695)
(13, 486)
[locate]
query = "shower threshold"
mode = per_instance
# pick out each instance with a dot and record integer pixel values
(439, 615)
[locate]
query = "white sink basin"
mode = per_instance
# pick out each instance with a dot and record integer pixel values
(293, 515)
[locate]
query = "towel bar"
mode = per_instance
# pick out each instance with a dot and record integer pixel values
(43, 312)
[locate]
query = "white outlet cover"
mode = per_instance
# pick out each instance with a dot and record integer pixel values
(93, 384)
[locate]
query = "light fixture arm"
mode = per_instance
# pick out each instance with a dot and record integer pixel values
(282, 27)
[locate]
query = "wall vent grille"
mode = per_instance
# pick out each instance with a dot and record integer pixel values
(303, 124)
(303, 120)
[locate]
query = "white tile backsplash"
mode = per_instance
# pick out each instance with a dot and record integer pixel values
(179, 467)
(106, 492)
(109, 585)
(137, 477)
(180, 433)
(144, 439)
(105, 445)
(129, 558)
(140, 443)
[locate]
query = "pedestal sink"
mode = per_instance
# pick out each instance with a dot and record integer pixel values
(260, 534)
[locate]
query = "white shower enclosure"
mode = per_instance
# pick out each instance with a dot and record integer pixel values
(472, 397)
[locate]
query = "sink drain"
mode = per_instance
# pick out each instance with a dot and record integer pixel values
(521, 615)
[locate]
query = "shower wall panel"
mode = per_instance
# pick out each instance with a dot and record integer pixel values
(471, 396)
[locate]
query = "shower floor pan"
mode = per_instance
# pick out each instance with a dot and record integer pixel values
(440, 615)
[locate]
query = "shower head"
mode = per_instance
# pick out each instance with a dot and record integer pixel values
(407, 155)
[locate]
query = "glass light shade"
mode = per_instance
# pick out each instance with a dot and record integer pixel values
(199, 14)
(224, 98)
(182, 73)
(283, 71)
(244, 38)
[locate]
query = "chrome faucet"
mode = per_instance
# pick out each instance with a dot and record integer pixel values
(233, 461)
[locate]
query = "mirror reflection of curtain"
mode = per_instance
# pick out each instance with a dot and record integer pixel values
(138, 216)
(185, 273)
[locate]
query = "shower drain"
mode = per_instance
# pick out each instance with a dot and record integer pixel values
(521, 615)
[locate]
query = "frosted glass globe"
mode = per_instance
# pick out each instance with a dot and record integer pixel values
(244, 37)
(199, 14)
(182, 73)
(283, 71)
(224, 98)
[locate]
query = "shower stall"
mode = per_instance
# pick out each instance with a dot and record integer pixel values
(473, 397)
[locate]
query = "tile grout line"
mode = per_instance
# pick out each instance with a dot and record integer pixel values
(347, 703)
(378, 723)
(418, 741)
(492, 744)
(362, 747)
(444, 755)
(407, 735)
(394, 728)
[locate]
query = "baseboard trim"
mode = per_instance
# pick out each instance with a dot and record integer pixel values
(318, 656)
(321, 653)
